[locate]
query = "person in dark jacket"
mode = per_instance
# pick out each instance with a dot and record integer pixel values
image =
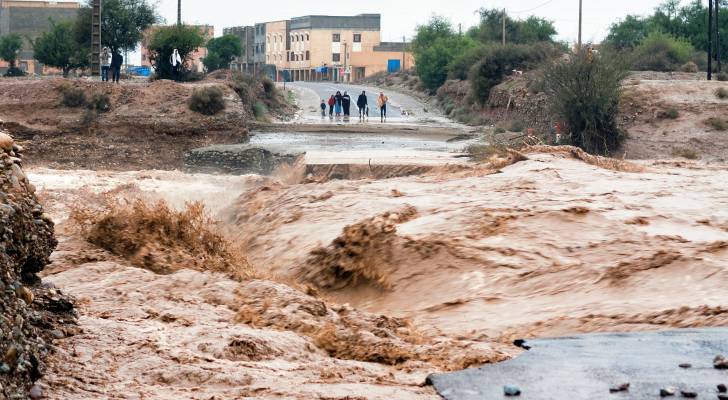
(332, 103)
(346, 103)
(361, 103)
(323, 108)
(116, 61)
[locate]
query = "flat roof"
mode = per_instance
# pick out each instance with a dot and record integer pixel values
(364, 22)
(38, 4)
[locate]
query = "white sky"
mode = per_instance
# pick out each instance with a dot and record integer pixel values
(400, 17)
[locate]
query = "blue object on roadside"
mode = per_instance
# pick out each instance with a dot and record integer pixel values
(394, 65)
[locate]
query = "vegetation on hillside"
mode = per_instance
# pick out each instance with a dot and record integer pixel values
(58, 48)
(123, 23)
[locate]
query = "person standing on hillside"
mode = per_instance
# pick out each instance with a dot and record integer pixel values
(116, 61)
(332, 103)
(175, 60)
(346, 104)
(382, 104)
(105, 62)
(361, 103)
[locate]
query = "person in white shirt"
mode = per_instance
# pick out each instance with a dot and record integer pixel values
(176, 61)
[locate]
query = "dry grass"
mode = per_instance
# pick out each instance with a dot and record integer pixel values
(684, 152)
(159, 238)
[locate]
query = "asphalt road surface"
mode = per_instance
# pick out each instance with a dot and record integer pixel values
(324, 90)
(586, 367)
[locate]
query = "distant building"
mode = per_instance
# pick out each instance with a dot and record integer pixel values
(195, 59)
(30, 19)
(318, 47)
(246, 34)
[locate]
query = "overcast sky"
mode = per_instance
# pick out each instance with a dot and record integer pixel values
(400, 17)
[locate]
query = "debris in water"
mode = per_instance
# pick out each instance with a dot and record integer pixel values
(688, 394)
(621, 388)
(511, 391)
(685, 365)
(722, 388)
(667, 392)
(720, 362)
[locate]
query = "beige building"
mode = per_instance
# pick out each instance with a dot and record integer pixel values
(30, 19)
(320, 47)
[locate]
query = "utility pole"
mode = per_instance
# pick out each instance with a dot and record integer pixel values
(179, 12)
(717, 34)
(95, 37)
(710, 40)
(345, 61)
(404, 52)
(580, 23)
(504, 27)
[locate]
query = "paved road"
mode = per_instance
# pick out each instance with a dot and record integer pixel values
(586, 367)
(402, 109)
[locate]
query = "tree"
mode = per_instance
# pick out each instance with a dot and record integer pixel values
(437, 28)
(123, 23)
(530, 30)
(220, 51)
(163, 40)
(433, 62)
(10, 46)
(58, 48)
(627, 33)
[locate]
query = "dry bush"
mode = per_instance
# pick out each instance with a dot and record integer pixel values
(159, 238)
(684, 152)
(690, 66)
(721, 93)
(72, 96)
(719, 124)
(669, 113)
(207, 100)
(100, 102)
(722, 77)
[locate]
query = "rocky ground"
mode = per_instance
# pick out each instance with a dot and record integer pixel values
(33, 314)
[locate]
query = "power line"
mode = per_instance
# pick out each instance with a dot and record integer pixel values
(534, 8)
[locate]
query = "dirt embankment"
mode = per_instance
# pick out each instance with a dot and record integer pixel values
(148, 126)
(32, 315)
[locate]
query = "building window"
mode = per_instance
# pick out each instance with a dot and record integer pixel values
(336, 57)
(308, 55)
(336, 38)
(307, 37)
(357, 38)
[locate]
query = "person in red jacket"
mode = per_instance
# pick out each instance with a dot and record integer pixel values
(332, 102)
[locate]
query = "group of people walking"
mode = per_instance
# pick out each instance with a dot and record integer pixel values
(110, 62)
(340, 104)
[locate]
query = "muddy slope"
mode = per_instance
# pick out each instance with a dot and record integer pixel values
(29, 311)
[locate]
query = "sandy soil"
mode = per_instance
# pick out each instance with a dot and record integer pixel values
(546, 246)
(651, 136)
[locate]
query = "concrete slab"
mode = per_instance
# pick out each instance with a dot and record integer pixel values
(585, 367)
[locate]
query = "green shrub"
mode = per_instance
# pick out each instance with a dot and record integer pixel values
(73, 96)
(661, 52)
(585, 95)
(721, 93)
(670, 113)
(100, 102)
(722, 77)
(208, 100)
(499, 61)
(718, 124)
(517, 126)
(460, 66)
(260, 110)
(500, 129)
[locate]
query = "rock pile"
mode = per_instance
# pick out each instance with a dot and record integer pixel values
(29, 311)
